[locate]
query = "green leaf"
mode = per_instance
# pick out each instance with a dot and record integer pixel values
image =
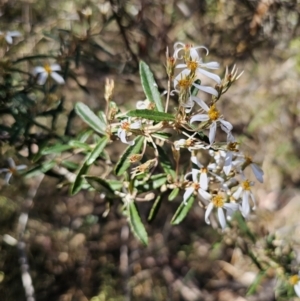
(194, 90)
(124, 162)
(79, 181)
(136, 224)
(43, 168)
(253, 287)
(97, 150)
(165, 162)
(151, 115)
(79, 145)
(149, 86)
(100, 184)
(158, 180)
(89, 117)
(182, 211)
(173, 194)
(59, 148)
(154, 208)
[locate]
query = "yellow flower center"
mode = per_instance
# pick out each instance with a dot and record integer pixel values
(213, 113)
(232, 146)
(12, 170)
(248, 160)
(192, 65)
(125, 126)
(184, 83)
(294, 279)
(203, 170)
(218, 201)
(246, 185)
(47, 68)
(196, 186)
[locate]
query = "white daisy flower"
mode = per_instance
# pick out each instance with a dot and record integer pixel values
(183, 81)
(213, 115)
(9, 35)
(295, 281)
(13, 169)
(126, 126)
(244, 161)
(244, 192)
(218, 201)
(195, 187)
(44, 72)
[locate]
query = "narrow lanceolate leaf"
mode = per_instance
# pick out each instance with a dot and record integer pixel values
(165, 162)
(182, 211)
(97, 150)
(149, 86)
(154, 208)
(79, 145)
(55, 149)
(124, 163)
(258, 279)
(89, 117)
(151, 115)
(79, 181)
(136, 224)
(158, 180)
(173, 194)
(102, 185)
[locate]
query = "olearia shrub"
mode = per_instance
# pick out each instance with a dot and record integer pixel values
(178, 145)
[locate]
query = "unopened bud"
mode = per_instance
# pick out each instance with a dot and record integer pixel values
(135, 158)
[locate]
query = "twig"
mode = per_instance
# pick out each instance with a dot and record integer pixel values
(24, 265)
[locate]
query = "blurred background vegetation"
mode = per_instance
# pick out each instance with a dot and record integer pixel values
(76, 251)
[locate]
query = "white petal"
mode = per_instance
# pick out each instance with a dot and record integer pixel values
(204, 194)
(195, 161)
(203, 180)
(200, 102)
(245, 204)
(57, 77)
(212, 132)
(227, 163)
(199, 117)
(211, 65)
(297, 289)
(4, 170)
(195, 173)
(188, 192)
(202, 47)
(7, 177)
(231, 206)
(194, 54)
(122, 136)
(11, 163)
(38, 69)
(221, 217)
(55, 67)
(237, 193)
(14, 33)
(20, 167)
(42, 78)
(211, 75)
(181, 66)
(258, 172)
(8, 39)
(225, 125)
(136, 125)
(208, 212)
(206, 89)
(253, 200)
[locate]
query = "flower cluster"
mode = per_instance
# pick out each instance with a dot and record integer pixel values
(220, 184)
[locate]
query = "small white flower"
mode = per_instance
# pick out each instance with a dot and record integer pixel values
(13, 169)
(244, 160)
(295, 281)
(195, 187)
(44, 72)
(145, 105)
(213, 115)
(183, 81)
(244, 192)
(231, 151)
(125, 127)
(9, 35)
(218, 202)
